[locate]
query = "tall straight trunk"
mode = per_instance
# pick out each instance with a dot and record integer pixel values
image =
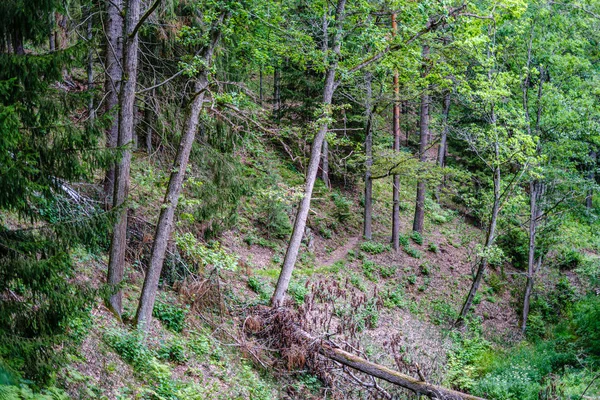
(51, 37)
(148, 118)
(112, 85)
(423, 142)
(260, 85)
(325, 163)
(18, 47)
(368, 217)
(166, 219)
(441, 156)
(396, 134)
(311, 174)
(118, 245)
(90, 63)
(489, 242)
(536, 190)
(276, 93)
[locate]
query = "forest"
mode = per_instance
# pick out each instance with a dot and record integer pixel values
(300, 199)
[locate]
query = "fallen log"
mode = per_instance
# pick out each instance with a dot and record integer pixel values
(281, 322)
(379, 371)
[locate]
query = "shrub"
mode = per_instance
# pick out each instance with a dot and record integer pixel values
(368, 267)
(342, 207)
(433, 247)
(173, 351)
(258, 287)
(569, 259)
(171, 316)
(403, 241)
(442, 313)
(411, 251)
(297, 291)
(394, 298)
(387, 272)
(424, 268)
(374, 247)
(416, 237)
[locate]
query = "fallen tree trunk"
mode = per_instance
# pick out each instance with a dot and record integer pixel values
(283, 327)
(395, 377)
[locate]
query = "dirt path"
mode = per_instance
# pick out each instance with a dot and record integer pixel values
(341, 252)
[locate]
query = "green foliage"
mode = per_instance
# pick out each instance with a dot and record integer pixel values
(411, 251)
(298, 291)
(387, 272)
(442, 313)
(432, 247)
(258, 287)
(204, 256)
(394, 297)
(172, 316)
(342, 207)
(416, 237)
(403, 241)
(568, 259)
(275, 218)
(586, 325)
(374, 247)
(368, 268)
(174, 351)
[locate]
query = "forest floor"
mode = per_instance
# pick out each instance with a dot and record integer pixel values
(399, 306)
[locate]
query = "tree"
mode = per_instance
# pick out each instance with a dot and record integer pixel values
(167, 214)
(113, 56)
(315, 155)
(118, 245)
(43, 218)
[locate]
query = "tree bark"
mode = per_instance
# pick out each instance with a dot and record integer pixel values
(423, 142)
(167, 214)
(441, 156)
(90, 63)
(368, 216)
(489, 241)
(311, 174)
(379, 371)
(330, 350)
(325, 164)
(535, 192)
(118, 246)
(276, 93)
(396, 135)
(112, 85)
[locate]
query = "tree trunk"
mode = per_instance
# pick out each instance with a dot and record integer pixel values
(489, 241)
(148, 118)
(368, 217)
(325, 164)
(441, 156)
(311, 174)
(535, 193)
(90, 63)
(112, 85)
(396, 135)
(166, 219)
(276, 94)
(116, 263)
(423, 142)
(260, 85)
(297, 336)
